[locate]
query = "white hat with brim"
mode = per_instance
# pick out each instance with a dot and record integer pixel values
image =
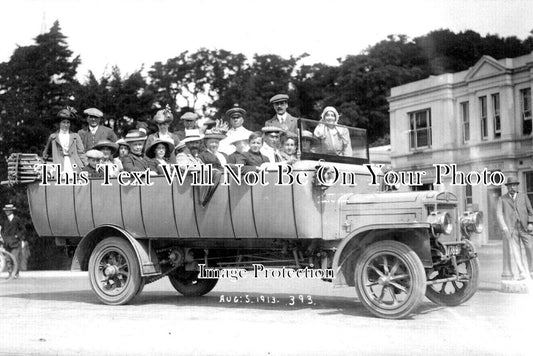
(241, 136)
(269, 129)
(9, 207)
(95, 154)
(135, 135)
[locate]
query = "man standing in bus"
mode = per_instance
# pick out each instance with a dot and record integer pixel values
(282, 119)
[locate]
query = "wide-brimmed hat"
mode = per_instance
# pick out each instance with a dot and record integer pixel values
(235, 110)
(106, 143)
(163, 116)
(279, 97)
(269, 129)
(135, 135)
(189, 116)
(308, 135)
(150, 150)
(93, 112)
(240, 136)
(122, 142)
(512, 180)
(9, 207)
(179, 146)
(94, 154)
(214, 135)
(67, 113)
(192, 135)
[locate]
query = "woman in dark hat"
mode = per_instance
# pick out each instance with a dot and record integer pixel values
(211, 155)
(163, 118)
(123, 148)
(65, 147)
(110, 152)
(159, 152)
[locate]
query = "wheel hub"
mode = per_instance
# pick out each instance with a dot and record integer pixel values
(110, 271)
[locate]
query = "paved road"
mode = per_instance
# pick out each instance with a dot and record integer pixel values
(50, 313)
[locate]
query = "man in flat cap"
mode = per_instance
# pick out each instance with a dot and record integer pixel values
(515, 217)
(235, 117)
(95, 132)
(282, 119)
(94, 157)
(271, 143)
(13, 234)
(189, 120)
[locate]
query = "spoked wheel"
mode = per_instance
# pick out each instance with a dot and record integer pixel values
(8, 266)
(452, 293)
(188, 283)
(390, 279)
(114, 271)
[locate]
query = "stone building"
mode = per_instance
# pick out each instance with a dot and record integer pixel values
(479, 119)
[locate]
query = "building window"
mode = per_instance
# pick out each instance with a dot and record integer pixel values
(468, 196)
(465, 116)
(420, 133)
(525, 105)
(496, 115)
(483, 117)
(529, 185)
(425, 186)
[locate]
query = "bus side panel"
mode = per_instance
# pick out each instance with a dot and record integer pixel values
(106, 200)
(38, 210)
(132, 213)
(158, 209)
(214, 219)
(61, 211)
(84, 211)
(307, 210)
(182, 195)
(273, 209)
(242, 210)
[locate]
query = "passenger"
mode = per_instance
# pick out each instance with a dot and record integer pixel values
(241, 143)
(94, 157)
(235, 117)
(110, 151)
(335, 139)
(95, 132)
(66, 146)
(289, 147)
(254, 157)
(188, 149)
(270, 148)
(211, 155)
(135, 161)
(123, 148)
(163, 119)
(189, 123)
(159, 152)
(282, 119)
(309, 142)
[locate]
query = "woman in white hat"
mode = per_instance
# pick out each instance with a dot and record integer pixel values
(66, 147)
(335, 139)
(110, 150)
(159, 152)
(240, 142)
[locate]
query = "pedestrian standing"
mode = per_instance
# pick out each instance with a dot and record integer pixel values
(13, 233)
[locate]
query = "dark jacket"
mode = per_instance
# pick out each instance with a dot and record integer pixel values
(13, 232)
(210, 158)
(510, 211)
(134, 163)
(102, 133)
(237, 158)
(290, 124)
(254, 159)
(93, 173)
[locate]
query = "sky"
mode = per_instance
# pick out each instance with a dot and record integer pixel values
(134, 33)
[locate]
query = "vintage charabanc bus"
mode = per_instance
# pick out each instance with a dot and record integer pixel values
(394, 247)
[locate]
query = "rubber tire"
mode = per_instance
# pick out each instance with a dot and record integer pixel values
(415, 269)
(465, 294)
(134, 281)
(192, 288)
